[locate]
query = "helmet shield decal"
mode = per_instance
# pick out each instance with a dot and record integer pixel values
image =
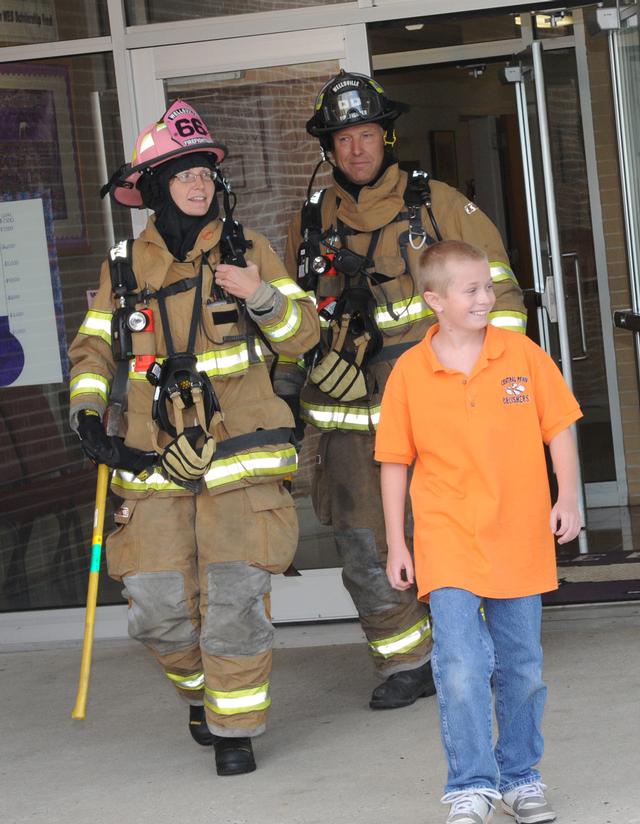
(349, 99)
(185, 125)
(350, 105)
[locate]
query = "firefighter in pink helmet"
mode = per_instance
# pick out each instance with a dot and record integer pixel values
(170, 388)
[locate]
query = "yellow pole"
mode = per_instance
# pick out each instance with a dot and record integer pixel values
(80, 707)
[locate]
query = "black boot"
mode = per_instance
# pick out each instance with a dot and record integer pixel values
(198, 727)
(403, 688)
(233, 755)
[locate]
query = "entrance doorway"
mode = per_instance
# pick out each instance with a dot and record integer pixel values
(476, 123)
(464, 127)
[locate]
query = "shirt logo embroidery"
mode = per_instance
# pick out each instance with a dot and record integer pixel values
(515, 389)
(470, 208)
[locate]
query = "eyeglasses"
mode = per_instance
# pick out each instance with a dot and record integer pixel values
(207, 176)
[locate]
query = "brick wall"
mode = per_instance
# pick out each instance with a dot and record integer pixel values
(261, 118)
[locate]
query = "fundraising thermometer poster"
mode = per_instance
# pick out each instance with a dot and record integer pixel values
(29, 339)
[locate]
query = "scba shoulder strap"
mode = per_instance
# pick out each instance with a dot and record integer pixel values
(417, 193)
(123, 279)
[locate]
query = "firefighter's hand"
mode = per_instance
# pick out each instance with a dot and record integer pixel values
(102, 449)
(400, 567)
(240, 281)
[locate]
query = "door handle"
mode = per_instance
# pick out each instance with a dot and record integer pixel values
(542, 300)
(583, 331)
(627, 319)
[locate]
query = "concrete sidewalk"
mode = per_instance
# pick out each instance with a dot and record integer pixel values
(326, 758)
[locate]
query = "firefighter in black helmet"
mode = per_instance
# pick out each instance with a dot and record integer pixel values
(356, 245)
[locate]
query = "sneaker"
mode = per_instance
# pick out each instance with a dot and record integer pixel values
(528, 804)
(468, 807)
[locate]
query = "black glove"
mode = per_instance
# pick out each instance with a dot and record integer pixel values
(102, 449)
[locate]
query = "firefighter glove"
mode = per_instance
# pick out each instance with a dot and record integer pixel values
(185, 464)
(102, 449)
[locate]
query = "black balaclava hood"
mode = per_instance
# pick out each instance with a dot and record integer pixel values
(178, 230)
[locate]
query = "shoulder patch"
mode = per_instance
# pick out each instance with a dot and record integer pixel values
(470, 208)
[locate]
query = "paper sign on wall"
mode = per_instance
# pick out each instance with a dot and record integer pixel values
(29, 341)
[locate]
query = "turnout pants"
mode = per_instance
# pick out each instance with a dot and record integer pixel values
(197, 575)
(346, 494)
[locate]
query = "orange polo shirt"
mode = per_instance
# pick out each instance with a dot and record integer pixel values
(479, 492)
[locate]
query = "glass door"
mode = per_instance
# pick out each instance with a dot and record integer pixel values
(256, 94)
(567, 300)
(624, 50)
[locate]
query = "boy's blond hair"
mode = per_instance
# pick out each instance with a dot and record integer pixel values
(434, 270)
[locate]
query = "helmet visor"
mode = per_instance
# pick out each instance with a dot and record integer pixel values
(352, 105)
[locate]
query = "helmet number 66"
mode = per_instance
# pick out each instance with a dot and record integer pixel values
(189, 126)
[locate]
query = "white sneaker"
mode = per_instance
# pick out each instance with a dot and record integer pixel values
(528, 804)
(469, 807)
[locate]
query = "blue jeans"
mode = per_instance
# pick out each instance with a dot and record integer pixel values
(472, 653)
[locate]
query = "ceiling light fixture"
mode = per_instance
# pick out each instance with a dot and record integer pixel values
(554, 19)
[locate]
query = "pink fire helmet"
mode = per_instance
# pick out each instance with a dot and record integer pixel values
(180, 131)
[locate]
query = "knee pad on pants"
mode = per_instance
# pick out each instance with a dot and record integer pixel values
(158, 612)
(363, 574)
(236, 622)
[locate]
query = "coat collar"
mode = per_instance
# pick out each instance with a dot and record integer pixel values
(152, 259)
(377, 205)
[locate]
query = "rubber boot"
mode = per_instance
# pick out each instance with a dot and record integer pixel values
(198, 727)
(233, 755)
(403, 688)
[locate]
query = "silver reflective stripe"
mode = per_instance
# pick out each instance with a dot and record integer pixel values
(404, 642)
(155, 481)
(516, 321)
(341, 417)
(282, 461)
(195, 681)
(501, 271)
(235, 702)
(288, 326)
(289, 288)
(87, 384)
(97, 323)
(228, 470)
(407, 311)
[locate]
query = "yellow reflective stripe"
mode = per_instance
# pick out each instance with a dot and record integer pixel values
(235, 702)
(289, 288)
(216, 362)
(195, 681)
(97, 324)
(404, 642)
(341, 417)
(501, 271)
(154, 482)
(292, 360)
(513, 320)
(225, 471)
(225, 361)
(250, 465)
(288, 326)
(89, 384)
(408, 311)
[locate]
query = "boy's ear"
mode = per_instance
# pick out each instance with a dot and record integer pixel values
(433, 300)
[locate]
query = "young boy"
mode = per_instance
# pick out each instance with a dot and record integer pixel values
(472, 406)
